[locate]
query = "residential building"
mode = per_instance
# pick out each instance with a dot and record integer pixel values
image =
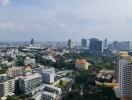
(117, 67)
(14, 71)
(124, 70)
(82, 64)
(45, 96)
(7, 85)
(48, 96)
(18, 71)
(29, 82)
(37, 96)
(46, 87)
(53, 89)
(48, 74)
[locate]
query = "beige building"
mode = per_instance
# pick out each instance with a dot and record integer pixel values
(124, 72)
(82, 64)
(7, 86)
(18, 71)
(14, 71)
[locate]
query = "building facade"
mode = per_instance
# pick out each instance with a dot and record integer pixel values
(28, 83)
(84, 43)
(82, 64)
(124, 71)
(7, 86)
(48, 96)
(30, 61)
(70, 44)
(121, 46)
(14, 71)
(95, 46)
(48, 74)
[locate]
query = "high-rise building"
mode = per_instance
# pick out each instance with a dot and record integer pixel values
(48, 74)
(84, 42)
(32, 42)
(28, 83)
(121, 46)
(95, 46)
(117, 66)
(7, 85)
(105, 43)
(69, 44)
(124, 75)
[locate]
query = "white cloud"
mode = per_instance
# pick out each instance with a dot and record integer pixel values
(4, 2)
(85, 18)
(17, 27)
(6, 25)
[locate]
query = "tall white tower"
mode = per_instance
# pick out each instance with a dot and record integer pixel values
(125, 75)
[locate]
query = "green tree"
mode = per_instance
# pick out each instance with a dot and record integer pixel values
(60, 82)
(20, 60)
(12, 98)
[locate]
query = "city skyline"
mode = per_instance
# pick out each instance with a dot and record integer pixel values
(46, 20)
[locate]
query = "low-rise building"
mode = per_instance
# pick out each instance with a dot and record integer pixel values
(53, 89)
(14, 71)
(49, 57)
(30, 61)
(18, 71)
(11, 53)
(48, 96)
(82, 64)
(105, 75)
(45, 96)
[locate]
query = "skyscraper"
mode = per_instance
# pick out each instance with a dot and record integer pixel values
(105, 43)
(122, 46)
(84, 42)
(69, 44)
(124, 75)
(95, 46)
(32, 41)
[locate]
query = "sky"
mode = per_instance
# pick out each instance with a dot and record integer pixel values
(59, 20)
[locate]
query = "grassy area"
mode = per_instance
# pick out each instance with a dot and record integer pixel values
(62, 84)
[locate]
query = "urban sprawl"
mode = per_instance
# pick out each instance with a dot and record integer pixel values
(92, 69)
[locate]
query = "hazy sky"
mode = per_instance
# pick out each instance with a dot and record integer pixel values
(62, 19)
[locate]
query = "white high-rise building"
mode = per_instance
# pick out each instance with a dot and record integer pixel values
(30, 82)
(48, 74)
(7, 85)
(124, 77)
